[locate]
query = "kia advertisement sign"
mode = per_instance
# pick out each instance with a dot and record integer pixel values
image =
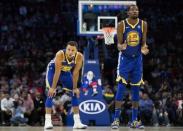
(92, 107)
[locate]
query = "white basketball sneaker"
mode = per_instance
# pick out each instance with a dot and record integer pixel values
(79, 126)
(48, 123)
(77, 123)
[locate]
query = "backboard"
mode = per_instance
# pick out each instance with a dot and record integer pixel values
(93, 15)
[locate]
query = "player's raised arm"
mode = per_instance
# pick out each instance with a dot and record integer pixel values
(120, 30)
(144, 48)
(58, 65)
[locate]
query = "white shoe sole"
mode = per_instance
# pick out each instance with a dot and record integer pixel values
(48, 128)
(83, 127)
(115, 127)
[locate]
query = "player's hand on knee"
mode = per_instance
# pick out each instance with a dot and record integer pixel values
(76, 92)
(144, 50)
(51, 92)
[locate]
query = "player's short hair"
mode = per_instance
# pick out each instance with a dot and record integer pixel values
(128, 9)
(72, 43)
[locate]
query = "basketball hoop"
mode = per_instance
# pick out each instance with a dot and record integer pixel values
(109, 33)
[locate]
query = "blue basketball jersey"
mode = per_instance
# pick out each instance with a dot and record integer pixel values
(68, 65)
(133, 36)
(66, 75)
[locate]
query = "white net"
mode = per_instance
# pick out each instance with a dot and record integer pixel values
(109, 33)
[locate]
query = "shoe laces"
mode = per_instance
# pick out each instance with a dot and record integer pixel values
(116, 122)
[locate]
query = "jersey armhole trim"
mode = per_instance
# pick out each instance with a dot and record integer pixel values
(142, 24)
(76, 57)
(124, 26)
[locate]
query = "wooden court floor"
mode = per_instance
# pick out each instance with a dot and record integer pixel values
(92, 128)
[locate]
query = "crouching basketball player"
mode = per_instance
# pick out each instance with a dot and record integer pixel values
(59, 72)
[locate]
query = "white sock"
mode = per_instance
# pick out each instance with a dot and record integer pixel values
(48, 116)
(76, 118)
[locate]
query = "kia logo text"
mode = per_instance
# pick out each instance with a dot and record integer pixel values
(92, 107)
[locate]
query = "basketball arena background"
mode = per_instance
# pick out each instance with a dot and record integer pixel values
(32, 31)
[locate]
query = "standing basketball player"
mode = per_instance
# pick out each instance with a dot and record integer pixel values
(59, 71)
(131, 34)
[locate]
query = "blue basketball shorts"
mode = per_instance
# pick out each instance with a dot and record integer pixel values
(130, 68)
(65, 79)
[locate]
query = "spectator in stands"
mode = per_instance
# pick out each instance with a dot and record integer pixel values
(145, 108)
(18, 114)
(57, 111)
(160, 115)
(179, 110)
(171, 107)
(39, 110)
(7, 107)
(28, 105)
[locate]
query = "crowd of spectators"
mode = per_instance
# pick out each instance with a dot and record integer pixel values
(31, 31)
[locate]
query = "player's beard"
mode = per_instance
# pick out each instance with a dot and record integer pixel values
(134, 17)
(71, 55)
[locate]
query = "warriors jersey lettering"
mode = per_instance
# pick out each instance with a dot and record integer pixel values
(67, 65)
(133, 36)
